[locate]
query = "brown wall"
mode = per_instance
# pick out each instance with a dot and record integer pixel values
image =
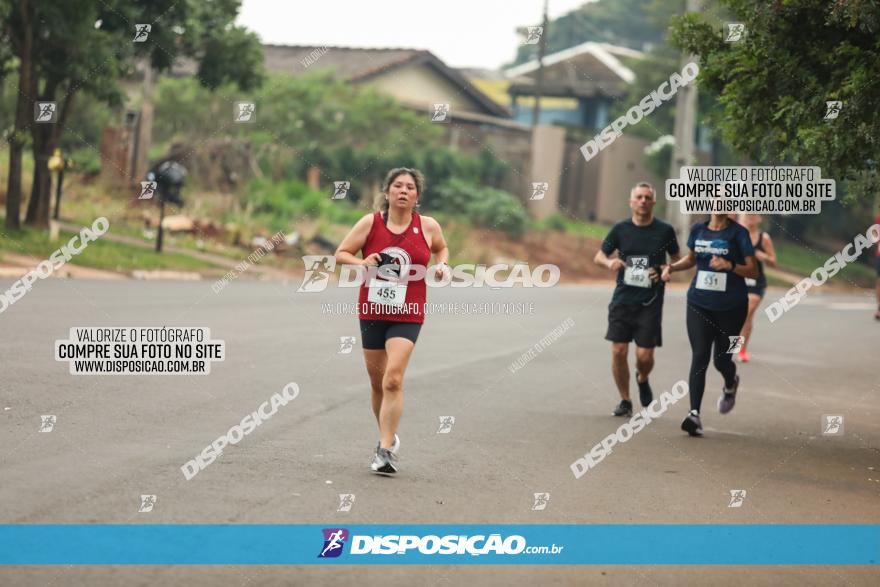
(621, 165)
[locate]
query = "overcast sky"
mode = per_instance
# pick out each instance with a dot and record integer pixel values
(462, 33)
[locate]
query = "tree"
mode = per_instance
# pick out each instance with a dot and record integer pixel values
(19, 30)
(772, 87)
(630, 23)
(71, 47)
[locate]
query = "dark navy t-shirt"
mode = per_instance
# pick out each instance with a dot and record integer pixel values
(719, 290)
(640, 247)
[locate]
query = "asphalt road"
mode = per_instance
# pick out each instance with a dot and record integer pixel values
(515, 434)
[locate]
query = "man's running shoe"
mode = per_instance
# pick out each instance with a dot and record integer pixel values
(743, 356)
(383, 462)
(624, 408)
(646, 396)
(692, 424)
(728, 397)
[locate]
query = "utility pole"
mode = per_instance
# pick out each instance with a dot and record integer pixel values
(144, 137)
(684, 150)
(539, 77)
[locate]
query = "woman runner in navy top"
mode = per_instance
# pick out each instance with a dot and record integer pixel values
(717, 304)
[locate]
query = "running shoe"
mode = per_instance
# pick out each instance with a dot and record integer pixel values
(692, 424)
(383, 462)
(728, 397)
(395, 447)
(624, 408)
(646, 396)
(743, 355)
(877, 315)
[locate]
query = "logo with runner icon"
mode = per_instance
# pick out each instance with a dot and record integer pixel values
(346, 501)
(48, 423)
(539, 190)
(446, 424)
(334, 541)
(639, 265)
(737, 497)
(541, 501)
(346, 344)
(832, 425)
(147, 503)
(735, 32)
(318, 269)
(340, 190)
(736, 343)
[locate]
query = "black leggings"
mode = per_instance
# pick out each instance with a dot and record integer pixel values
(706, 327)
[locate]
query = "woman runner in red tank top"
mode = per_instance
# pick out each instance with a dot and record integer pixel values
(394, 300)
(396, 247)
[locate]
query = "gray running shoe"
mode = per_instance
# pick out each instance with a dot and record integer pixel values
(692, 424)
(728, 398)
(383, 462)
(395, 447)
(623, 409)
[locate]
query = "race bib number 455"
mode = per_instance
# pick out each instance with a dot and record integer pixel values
(387, 293)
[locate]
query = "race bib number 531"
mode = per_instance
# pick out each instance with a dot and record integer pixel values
(712, 280)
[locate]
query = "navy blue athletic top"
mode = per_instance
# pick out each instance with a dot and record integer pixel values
(719, 290)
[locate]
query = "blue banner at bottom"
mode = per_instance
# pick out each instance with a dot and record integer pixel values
(543, 544)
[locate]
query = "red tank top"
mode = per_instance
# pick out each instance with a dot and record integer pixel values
(405, 249)
(877, 246)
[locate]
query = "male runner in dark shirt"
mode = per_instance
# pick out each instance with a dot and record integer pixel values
(636, 310)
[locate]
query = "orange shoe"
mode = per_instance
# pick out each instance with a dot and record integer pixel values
(743, 355)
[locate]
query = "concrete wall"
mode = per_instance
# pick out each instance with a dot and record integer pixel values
(620, 166)
(548, 143)
(580, 181)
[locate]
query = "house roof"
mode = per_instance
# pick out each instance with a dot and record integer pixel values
(596, 61)
(361, 64)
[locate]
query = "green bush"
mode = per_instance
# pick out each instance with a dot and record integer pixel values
(279, 204)
(484, 206)
(86, 161)
(452, 197)
(556, 221)
(499, 210)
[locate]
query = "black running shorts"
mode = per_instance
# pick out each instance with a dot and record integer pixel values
(628, 322)
(757, 290)
(374, 333)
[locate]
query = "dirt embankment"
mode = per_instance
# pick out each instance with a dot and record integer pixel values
(573, 254)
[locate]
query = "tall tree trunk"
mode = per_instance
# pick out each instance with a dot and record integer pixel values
(23, 110)
(38, 205)
(45, 138)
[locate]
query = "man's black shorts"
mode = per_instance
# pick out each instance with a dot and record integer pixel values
(374, 333)
(878, 265)
(628, 322)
